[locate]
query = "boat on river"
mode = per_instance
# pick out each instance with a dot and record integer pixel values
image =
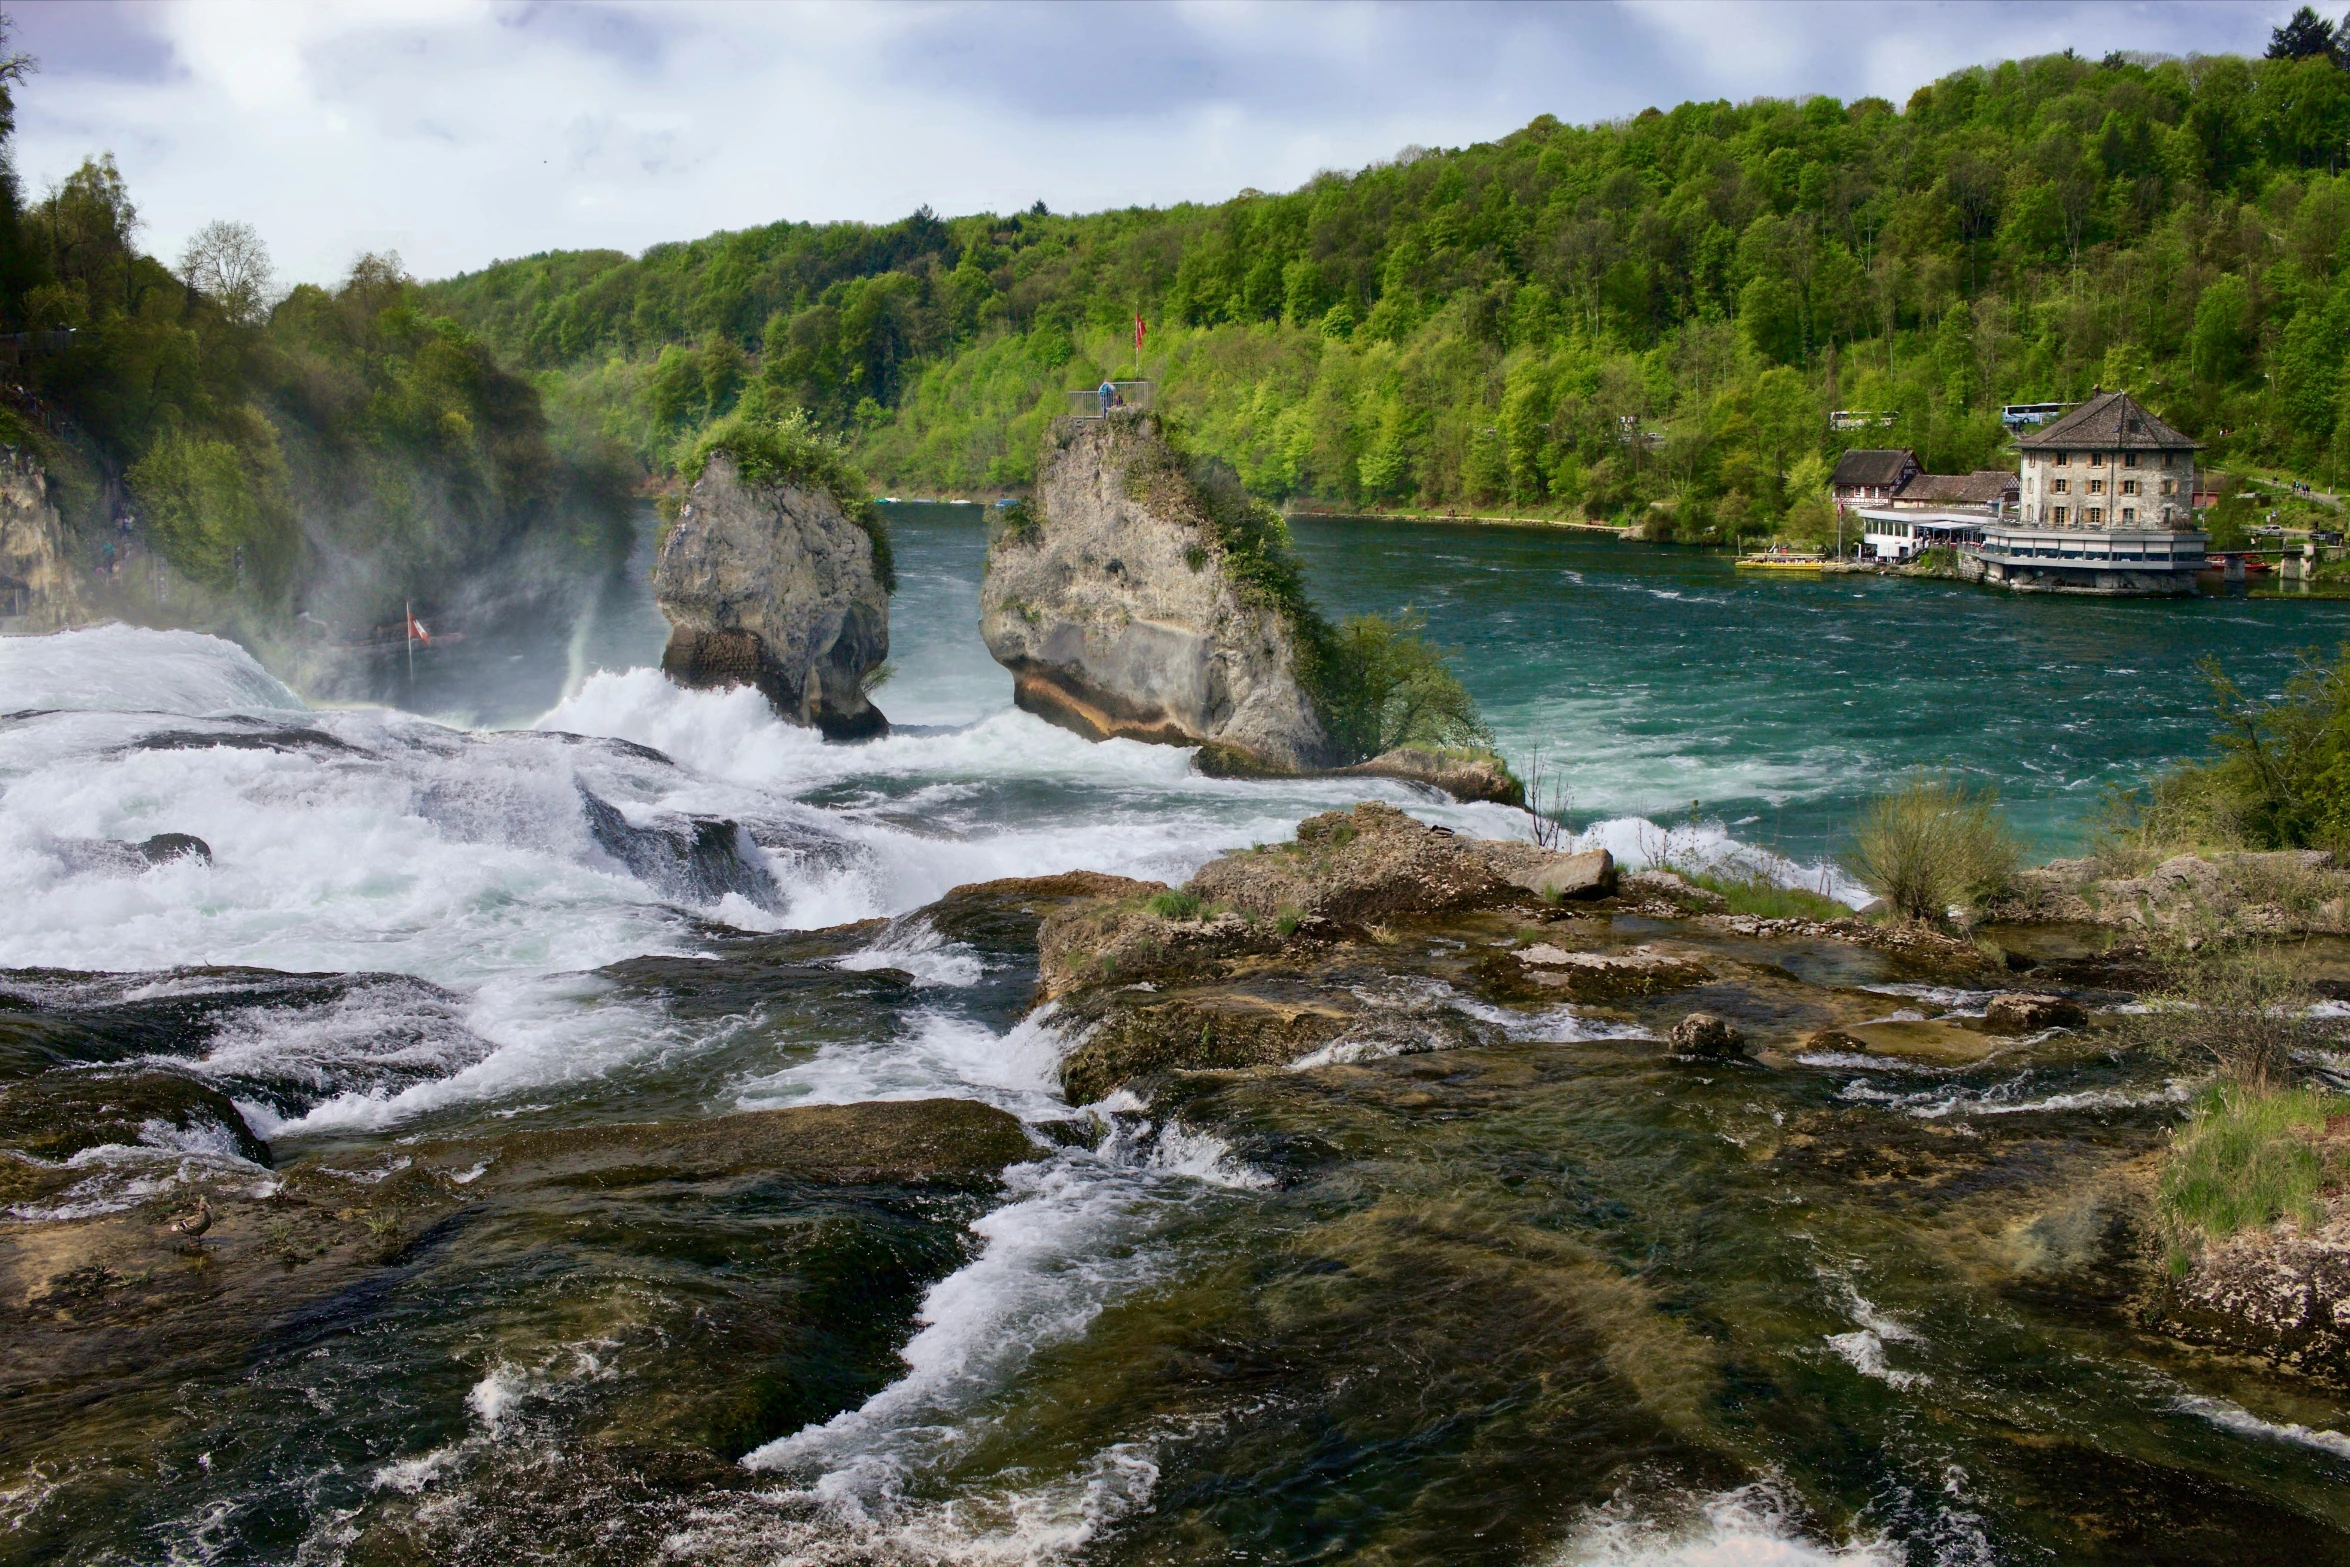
(1784, 560)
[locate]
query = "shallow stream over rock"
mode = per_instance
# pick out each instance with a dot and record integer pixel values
(618, 1152)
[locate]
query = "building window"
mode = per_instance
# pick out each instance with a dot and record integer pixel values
(2096, 459)
(2059, 485)
(2129, 460)
(2061, 513)
(2129, 486)
(2129, 514)
(2170, 486)
(2096, 486)
(2093, 516)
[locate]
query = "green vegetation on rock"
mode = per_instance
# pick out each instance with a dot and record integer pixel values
(2247, 1159)
(341, 449)
(1385, 685)
(1759, 895)
(786, 449)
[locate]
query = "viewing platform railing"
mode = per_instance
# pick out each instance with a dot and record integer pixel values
(1090, 404)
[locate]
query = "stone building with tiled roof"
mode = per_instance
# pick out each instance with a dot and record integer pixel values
(2108, 507)
(2108, 463)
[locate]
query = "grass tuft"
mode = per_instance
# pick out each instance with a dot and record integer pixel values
(1931, 846)
(1758, 895)
(2247, 1159)
(1176, 905)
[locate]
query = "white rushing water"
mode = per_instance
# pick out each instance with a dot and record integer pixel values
(468, 871)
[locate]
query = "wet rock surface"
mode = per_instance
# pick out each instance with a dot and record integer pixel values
(886, 1141)
(2281, 1293)
(60, 1114)
(109, 856)
(698, 859)
(802, 1238)
(2029, 1013)
(775, 586)
(1761, 1195)
(1702, 1034)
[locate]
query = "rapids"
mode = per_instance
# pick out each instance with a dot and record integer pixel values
(1528, 1298)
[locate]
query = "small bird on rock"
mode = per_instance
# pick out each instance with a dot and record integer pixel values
(194, 1223)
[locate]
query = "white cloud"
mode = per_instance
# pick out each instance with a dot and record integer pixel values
(457, 131)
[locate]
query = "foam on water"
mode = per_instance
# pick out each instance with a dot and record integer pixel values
(936, 1053)
(1078, 1233)
(2242, 1421)
(1416, 1014)
(1864, 1347)
(123, 1175)
(130, 669)
(2009, 1097)
(1752, 1526)
(1639, 843)
(916, 948)
(541, 1033)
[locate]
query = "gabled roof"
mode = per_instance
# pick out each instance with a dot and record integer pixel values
(1866, 466)
(1983, 487)
(2112, 420)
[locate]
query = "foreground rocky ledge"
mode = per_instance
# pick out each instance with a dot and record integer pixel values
(2280, 892)
(1374, 934)
(70, 1287)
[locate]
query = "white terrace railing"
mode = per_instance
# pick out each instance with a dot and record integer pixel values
(1089, 403)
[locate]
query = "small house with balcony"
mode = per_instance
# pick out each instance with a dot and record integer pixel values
(1867, 477)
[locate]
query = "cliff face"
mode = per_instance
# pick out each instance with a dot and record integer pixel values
(775, 587)
(39, 588)
(1116, 614)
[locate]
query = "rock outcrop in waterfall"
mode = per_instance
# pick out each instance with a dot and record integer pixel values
(773, 580)
(39, 589)
(1139, 594)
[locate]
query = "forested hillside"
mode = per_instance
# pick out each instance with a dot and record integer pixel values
(337, 451)
(1483, 327)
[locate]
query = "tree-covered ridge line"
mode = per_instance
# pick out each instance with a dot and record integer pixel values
(1474, 326)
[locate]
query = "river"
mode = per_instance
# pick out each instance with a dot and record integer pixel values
(1547, 1305)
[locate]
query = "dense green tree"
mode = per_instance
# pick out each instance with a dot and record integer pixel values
(2304, 35)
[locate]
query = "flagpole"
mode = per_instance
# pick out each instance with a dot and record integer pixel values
(408, 631)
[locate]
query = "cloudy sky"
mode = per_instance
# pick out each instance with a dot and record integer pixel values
(461, 131)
